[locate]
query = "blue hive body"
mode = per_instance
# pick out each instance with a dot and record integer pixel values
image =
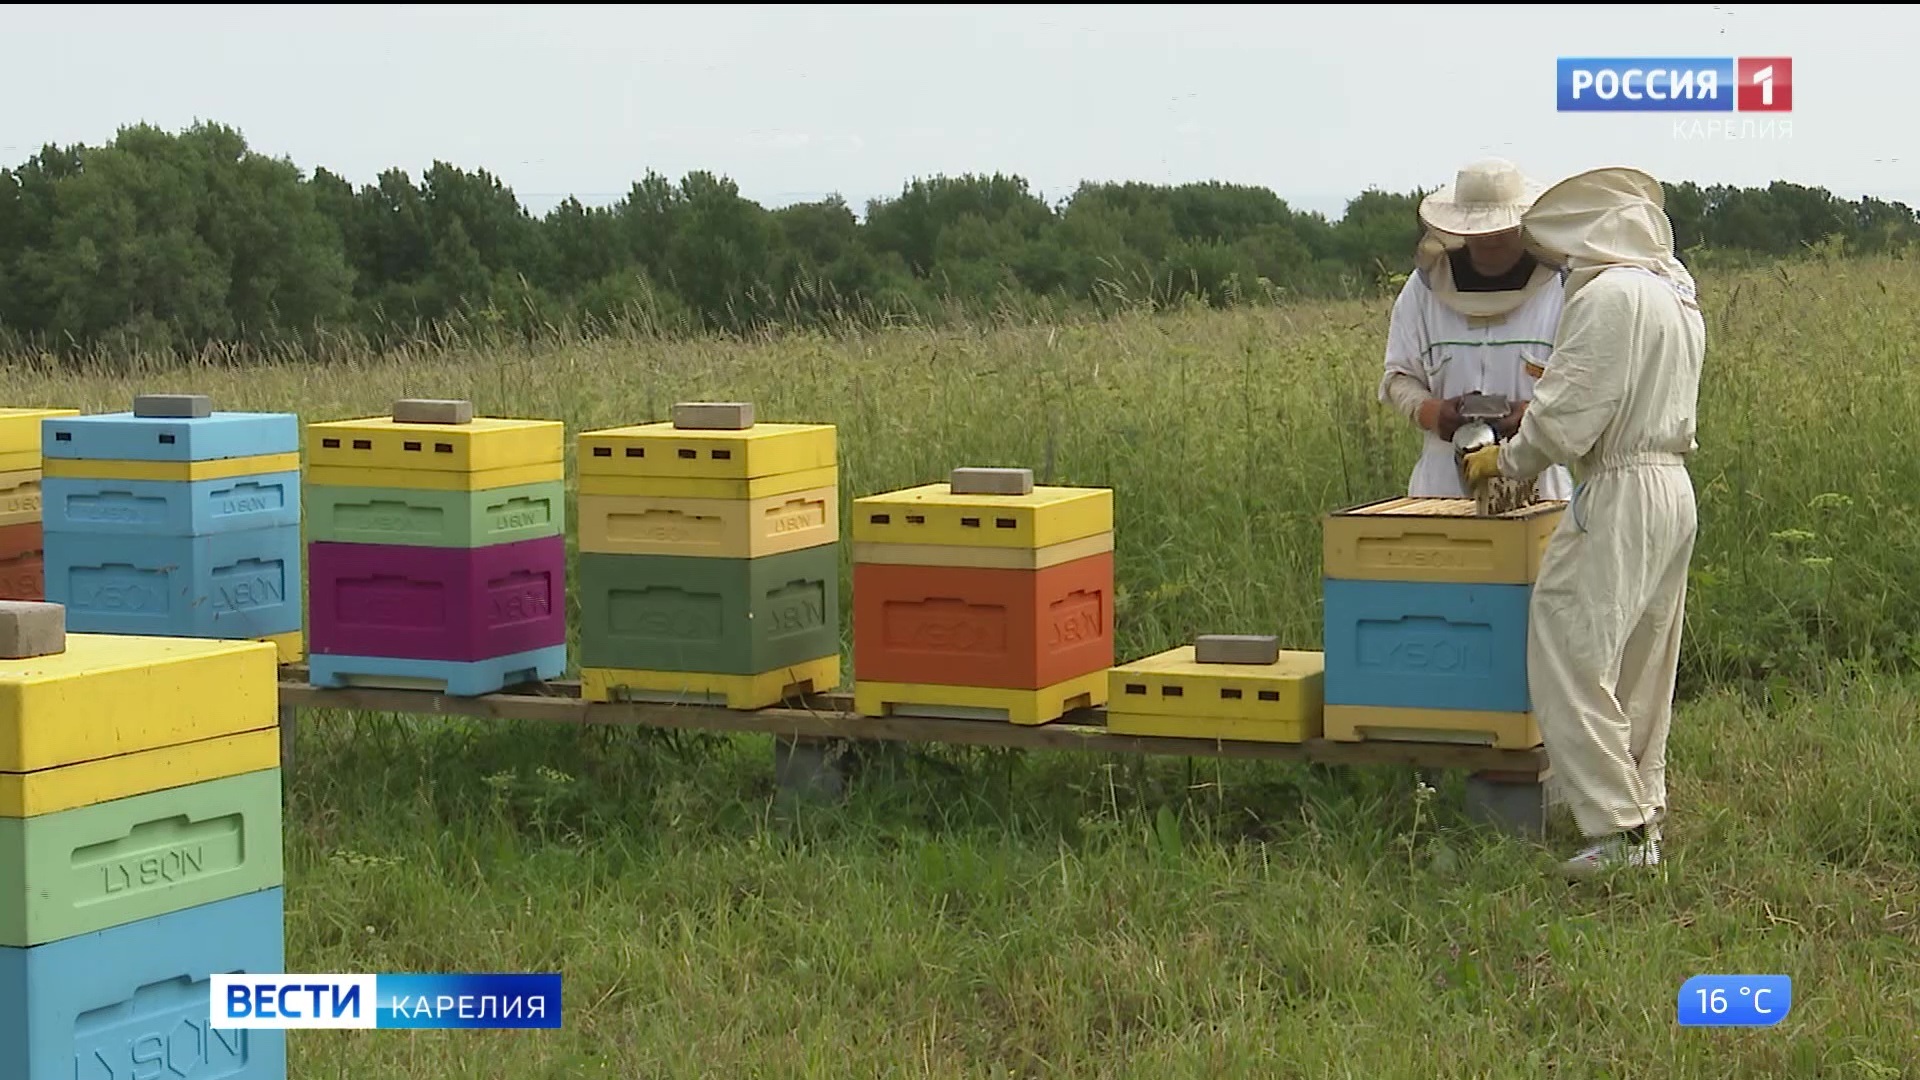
(1427, 645)
(170, 507)
(133, 1001)
(223, 585)
(214, 557)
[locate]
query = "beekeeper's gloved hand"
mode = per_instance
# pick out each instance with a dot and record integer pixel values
(1483, 464)
(1441, 416)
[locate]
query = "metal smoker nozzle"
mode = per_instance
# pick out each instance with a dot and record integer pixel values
(1471, 437)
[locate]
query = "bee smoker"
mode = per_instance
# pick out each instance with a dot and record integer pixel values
(1478, 413)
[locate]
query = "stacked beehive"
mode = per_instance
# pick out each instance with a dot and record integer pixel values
(1426, 621)
(174, 520)
(709, 559)
(1231, 687)
(140, 850)
(437, 553)
(21, 553)
(983, 597)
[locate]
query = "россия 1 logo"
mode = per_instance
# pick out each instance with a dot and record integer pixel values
(1675, 84)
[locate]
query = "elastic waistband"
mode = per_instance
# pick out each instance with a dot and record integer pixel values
(1636, 459)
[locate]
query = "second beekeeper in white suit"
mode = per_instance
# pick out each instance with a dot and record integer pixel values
(1619, 405)
(1477, 315)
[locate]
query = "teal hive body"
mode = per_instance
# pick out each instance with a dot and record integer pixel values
(1426, 645)
(133, 1001)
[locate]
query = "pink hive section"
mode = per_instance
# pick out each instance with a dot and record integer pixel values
(425, 603)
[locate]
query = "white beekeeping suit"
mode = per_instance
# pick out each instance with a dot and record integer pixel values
(1477, 315)
(1618, 404)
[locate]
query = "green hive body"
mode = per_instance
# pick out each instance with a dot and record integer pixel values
(96, 867)
(426, 518)
(719, 616)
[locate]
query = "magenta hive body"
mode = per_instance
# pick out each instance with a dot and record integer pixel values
(423, 603)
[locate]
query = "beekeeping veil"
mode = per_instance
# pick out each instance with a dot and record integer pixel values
(1486, 197)
(1605, 218)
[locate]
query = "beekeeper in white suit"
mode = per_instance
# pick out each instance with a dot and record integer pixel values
(1477, 315)
(1618, 405)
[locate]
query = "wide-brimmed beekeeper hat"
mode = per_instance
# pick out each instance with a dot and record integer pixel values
(1488, 196)
(1614, 216)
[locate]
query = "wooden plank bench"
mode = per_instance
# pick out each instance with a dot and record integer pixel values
(1507, 788)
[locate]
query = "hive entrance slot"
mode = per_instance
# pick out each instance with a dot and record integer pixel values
(1436, 735)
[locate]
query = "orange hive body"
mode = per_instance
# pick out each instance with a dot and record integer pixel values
(22, 560)
(980, 626)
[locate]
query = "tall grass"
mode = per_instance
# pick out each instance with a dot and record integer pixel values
(1226, 435)
(972, 913)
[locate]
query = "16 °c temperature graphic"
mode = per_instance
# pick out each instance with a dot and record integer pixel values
(1735, 1000)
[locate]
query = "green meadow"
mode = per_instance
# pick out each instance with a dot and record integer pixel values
(974, 913)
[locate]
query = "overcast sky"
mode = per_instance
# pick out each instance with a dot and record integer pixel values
(792, 103)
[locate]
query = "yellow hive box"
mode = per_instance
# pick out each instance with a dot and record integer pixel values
(94, 712)
(670, 487)
(20, 437)
(663, 451)
(479, 454)
(985, 558)
(933, 514)
(1373, 723)
(1025, 707)
(1173, 694)
(291, 647)
(20, 497)
(434, 480)
(739, 692)
(50, 791)
(1437, 540)
(709, 528)
(179, 471)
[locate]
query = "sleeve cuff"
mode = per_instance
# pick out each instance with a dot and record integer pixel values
(1404, 393)
(1516, 462)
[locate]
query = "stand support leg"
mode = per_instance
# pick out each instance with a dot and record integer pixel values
(809, 768)
(1514, 803)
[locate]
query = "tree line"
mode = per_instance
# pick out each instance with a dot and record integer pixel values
(175, 241)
